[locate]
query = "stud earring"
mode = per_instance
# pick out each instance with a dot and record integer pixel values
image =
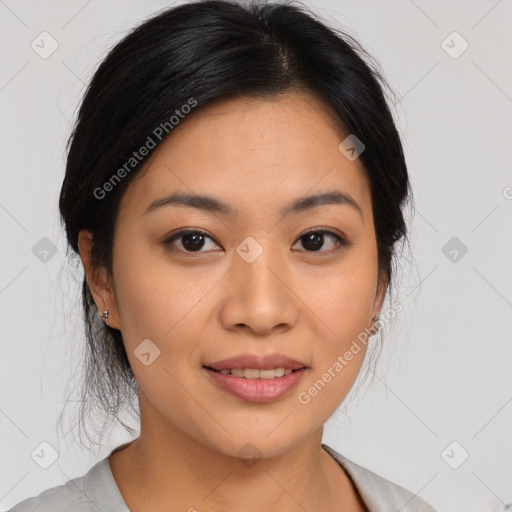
(104, 316)
(375, 319)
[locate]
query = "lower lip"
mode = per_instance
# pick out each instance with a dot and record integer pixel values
(257, 390)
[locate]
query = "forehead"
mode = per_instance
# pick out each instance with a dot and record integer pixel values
(252, 153)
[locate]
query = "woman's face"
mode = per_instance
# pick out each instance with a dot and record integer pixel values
(254, 284)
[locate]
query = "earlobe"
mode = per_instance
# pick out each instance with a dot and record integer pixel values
(98, 280)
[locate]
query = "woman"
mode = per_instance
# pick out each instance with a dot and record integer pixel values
(234, 188)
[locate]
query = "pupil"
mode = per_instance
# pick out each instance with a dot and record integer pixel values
(314, 237)
(196, 240)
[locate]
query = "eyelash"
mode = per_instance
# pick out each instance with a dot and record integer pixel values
(340, 241)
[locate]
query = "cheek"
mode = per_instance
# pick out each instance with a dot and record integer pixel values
(343, 304)
(164, 303)
(344, 301)
(156, 301)
(151, 293)
(345, 295)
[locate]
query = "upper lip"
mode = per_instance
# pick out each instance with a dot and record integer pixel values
(267, 362)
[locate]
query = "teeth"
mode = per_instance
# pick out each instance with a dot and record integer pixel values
(253, 373)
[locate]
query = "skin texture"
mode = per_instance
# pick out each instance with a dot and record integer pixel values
(199, 307)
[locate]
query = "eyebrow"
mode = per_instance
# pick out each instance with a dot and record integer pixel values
(212, 204)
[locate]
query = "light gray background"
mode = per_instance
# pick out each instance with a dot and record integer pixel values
(445, 371)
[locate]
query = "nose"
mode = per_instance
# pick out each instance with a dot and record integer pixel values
(260, 296)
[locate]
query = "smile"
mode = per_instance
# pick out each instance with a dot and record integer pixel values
(254, 373)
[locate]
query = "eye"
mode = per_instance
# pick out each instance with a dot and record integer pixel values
(191, 240)
(314, 239)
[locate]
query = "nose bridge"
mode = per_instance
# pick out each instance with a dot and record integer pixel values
(261, 297)
(258, 263)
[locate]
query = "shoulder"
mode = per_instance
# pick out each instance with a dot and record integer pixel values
(96, 490)
(378, 492)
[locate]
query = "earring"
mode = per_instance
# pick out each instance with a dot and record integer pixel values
(104, 316)
(375, 319)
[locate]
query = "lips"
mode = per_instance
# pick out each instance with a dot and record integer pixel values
(250, 361)
(258, 379)
(257, 390)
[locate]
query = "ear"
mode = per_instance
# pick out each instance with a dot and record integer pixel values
(98, 279)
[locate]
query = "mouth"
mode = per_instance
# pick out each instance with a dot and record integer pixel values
(255, 373)
(256, 377)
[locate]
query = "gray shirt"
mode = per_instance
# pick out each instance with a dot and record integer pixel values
(97, 491)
